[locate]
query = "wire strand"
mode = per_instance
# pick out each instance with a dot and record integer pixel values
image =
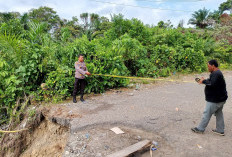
(14, 131)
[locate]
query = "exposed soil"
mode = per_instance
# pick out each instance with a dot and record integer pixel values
(49, 140)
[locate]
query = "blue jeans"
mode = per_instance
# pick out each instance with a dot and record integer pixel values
(210, 109)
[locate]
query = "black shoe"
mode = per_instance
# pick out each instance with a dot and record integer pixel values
(196, 130)
(82, 99)
(218, 133)
(74, 100)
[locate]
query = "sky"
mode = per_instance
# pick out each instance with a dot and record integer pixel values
(148, 11)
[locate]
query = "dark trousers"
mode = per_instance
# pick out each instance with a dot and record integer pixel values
(79, 85)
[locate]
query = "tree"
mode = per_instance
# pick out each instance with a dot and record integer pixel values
(102, 26)
(10, 23)
(90, 21)
(199, 18)
(181, 24)
(161, 24)
(120, 26)
(84, 17)
(45, 14)
(215, 15)
(92, 24)
(71, 26)
(105, 24)
(7, 16)
(95, 22)
(167, 24)
(226, 6)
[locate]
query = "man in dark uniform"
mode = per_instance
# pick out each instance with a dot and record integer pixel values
(216, 96)
(80, 72)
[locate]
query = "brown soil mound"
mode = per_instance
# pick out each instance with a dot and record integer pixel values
(43, 138)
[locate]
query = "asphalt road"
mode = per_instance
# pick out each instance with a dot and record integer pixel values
(167, 109)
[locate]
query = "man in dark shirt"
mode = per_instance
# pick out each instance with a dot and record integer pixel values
(216, 96)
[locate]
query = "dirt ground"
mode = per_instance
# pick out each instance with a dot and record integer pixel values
(163, 112)
(48, 139)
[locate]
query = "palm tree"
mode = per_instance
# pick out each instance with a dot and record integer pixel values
(181, 24)
(94, 21)
(84, 17)
(199, 18)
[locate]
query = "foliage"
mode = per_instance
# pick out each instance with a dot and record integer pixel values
(215, 15)
(199, 18)
(45, 14)
(226, 6)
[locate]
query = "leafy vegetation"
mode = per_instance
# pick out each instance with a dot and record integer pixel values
(38, 50)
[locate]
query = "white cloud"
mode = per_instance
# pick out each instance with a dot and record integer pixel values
(68, 8)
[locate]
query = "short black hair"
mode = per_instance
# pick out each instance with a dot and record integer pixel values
(80, 55)
(213, 62)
